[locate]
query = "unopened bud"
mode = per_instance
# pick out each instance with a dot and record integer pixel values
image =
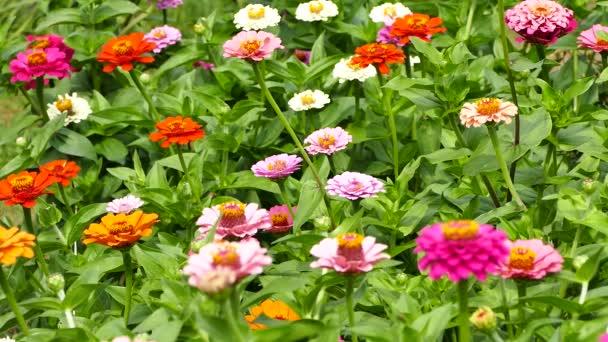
(484, 319)
(196, 245)
(199, 28)
(144, 78)
(579, 261)
(322, 222)
(589, 186)
(56, 282)
(21, 142)
(401, 278)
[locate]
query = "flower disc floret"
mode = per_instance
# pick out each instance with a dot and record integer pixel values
(327, 141)
(487, 110)
(120, 230)
(354, 185)
(316, 10)
(277, 166)
(252, 45)
(123, 51)
(256, 17)
(25, 187)
(348, 253)
(530, 259)
(308, 99)
(237, 220)
(177, 130)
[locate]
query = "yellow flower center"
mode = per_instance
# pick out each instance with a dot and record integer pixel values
(460, 230)
(63, 105)
(601, 42)
(277, 165)
(40, 43)
(390, 11)
(159, 34)
(279, 219)
(119, 227)
(417, 22)
(22, 183)
(315, 7)
(122, 47)
(256, 12)
(349, 246)
(353, 66)
(522, 258)
(307, 99)
(488, 106)
(226, 256)
(541, 10)
(36, 58)
(176, 125)
(233, 214)
(326, 140)
(251, 45)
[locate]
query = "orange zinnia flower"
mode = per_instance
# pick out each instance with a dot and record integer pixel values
(24, 188)
(120, 230)
(275, 310)
(124, 50)
(13, 244)
(61, 170)
(415, 25)
(377, 53)
(177, 130)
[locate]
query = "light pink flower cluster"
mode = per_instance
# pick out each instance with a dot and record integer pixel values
(461, 248)
(592, 40)
(163, 36)
(487, 110)
(237, 220)
(277, 166)
(540, 21)
(531, 259)
(253, 45)
(124, 205)
(281, 219)
(164, 4)
(327, 140)
(354, 185)
(348, 253)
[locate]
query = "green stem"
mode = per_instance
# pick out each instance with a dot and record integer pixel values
(521, 293)
(40, 97)
(231, 308)
(29, 227)
(495, 337)
(408, 65)
(12, 303)
(126, 259)
(164, 17)
(182, 162)
(604, 56)
(464, 333)
(544, 72)
(33, 105)
(285, 198)
(144, 93)
(224, 165)
(467, 30)
(95, 76)
(391, 125)
(506, 312)
(350, 306)
(574, 78)
(503, 167)
(64, 198)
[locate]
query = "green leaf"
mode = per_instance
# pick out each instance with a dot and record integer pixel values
(61, 16)
(113, 149)
(310, 199)
(247, 180)
(75, 225)
(589, 268)
(432, 55)
(48, 215)
(211, 102)
(180, 58)
(42, 135)
(446, 154)
(317, 52)
(72, 143)
(112, 8)
(304, 329)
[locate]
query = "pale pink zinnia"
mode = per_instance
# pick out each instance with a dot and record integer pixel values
(327, 140)
(124, 205)
(281, 219)
(277, 166)
(590, 38)
(531, 259)
(348, 253)
(238, 220)
(461, 248)
(38, 63)
(163, 36)
(540, 21)
(254, 45)
(487, 110)
(354, 185)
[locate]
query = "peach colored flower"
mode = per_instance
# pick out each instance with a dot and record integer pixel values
(487, 110)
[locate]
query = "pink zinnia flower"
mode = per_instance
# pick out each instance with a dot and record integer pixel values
(603, 338)
(203, 65)
(487, 110)
(39, 63)
(277, 166)
(348, 253)
(302, 55)
(540, 21)
(385, 37)
(238, 220)
(252, 45)
(590, 39)
(461, 248)
(327, 140)
(281, 219)
(50, 41)
(124, 205)
(354, 185)
(531, 259)
(164, 4)
(163, 36)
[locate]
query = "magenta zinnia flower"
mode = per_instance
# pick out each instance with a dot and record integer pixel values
(385, 37)
(124, 205)
(281, 219)
(252, 45)
(238, 220)
(487, 110)
(164, 4)
(354, 185)
(302, 55)
(461, 248)
(540, 21)
(39, 63)
(348, 253)
(327, 140)
(203, 65)
(277, 166)
(531, 259)
(50, 41)
(590, 39)
(163, 36)
(603, 338)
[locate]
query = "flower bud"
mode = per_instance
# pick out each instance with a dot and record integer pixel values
(589, 186)
(199, 28)
(144, 78)
(484, 319)
(21, 142)
(56, 282)
(579, 261)
(401, 279)
(322, 222)
(196, 245)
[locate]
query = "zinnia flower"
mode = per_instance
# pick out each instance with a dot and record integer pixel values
(271, 309)
(62, 171)
(14, 244)
(120, 230)
(388, 12)
(281, 219)
(252, 45)
(531, 259)
(177, 130)
(416, 25)
(165, 4)
(603, 338)
(308, 99)
(354, 185)
(540, 21)
(256, 17)
(346, 70)
(238, 219)
(461, 248)
(277, 166)
(124, 50)
(348, 253)
(384, 36)
(76, 108)
(487, 110)
(163, 36)
(124, 205)
(50, 41)
(590, 38)
(50, 62)
(215, 281)
(327, 140)
(23, 188)
(203, 65)
(380, 54)
(302, 55)
(318, 10)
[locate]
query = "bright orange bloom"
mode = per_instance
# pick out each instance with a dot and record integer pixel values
(123, 50)
(13, 244)
(377, 53)
(415, 25)
(177, 130)
(275, 310)
(25, 187)
(61, 170)
(120, 230)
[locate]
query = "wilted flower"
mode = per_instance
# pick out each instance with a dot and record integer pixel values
(348, 253)
(256, 17)
(120, 230)
(317, 10)
(346, 70)
(327, 141)
(308, 99)
(24, 188)
(177, 130)
(62, 171)
(484, 319)
(379, 54)
(50, 62)
(388, 12)
(252, 45)
(238, 220)
(487, 110)
(281, 219)
(354, 185)
(594, 38)
(277, 166)
(540, 21)
(124, 50)
(124, 205)
(415, 25)
(14, 244)
(165, 4)
(271, 309)
(302, 55)
(163, 36)
(76, 108)
(531, 259)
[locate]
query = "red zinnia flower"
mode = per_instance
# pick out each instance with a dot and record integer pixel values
(177, 130)
(24, 188)
(61, 170)
(124, 50)
(376, 53)
(415, 25)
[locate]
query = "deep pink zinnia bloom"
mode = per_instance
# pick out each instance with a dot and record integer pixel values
(302, 55)
(281, 219)
(540, 21)
(354, 185)
(530, 259)
(165, 4)
(238, 220)
(50, 41)
(277, 166)
(603, 338)
(590, 39)
(461, 248)
(327, 140)
(252, 45)
(348, 253)
(163, 36)
(384, 36)
(38, 63)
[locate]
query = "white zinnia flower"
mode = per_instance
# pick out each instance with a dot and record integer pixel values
(77, 108)
(7, 339)
(346, 70)
(388, 12)
(316, 10)
(256, 17)
(413, 60)
(308, 99)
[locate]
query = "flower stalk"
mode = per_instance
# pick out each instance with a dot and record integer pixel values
(144, 93)
(231, 309)
(126, 259)
(12, 303)
(40, 97)
(350, 306)
(64, 198)
(182, 162)
(391, 125)
(464, 332)
(29, 227)
(285, 198)
(503, 167)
